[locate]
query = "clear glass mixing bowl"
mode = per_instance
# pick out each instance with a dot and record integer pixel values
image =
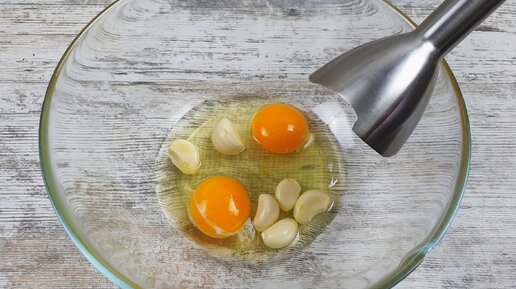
(141, 65)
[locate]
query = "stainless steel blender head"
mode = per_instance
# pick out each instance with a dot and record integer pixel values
(389, 81)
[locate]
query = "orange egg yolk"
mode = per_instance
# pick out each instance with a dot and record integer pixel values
(219, 207)
(280, 128)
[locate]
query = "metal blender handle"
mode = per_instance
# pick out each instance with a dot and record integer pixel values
(453, 20)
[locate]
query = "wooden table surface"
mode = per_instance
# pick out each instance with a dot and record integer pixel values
(479, 250)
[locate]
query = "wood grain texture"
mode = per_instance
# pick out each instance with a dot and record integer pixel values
(479, 251)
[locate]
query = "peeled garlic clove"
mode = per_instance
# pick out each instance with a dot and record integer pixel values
(287, 192)
(267, 212)
(225, 138)
(185, 156)
(309, 204)
(281, 234)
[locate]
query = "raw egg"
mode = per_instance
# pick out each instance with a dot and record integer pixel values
(280, 128)
(219, 207)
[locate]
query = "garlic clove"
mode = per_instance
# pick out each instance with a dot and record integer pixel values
(267, 212)
(281, 234)
(225, 138)
(287, 192)
(185, 156)
(311, 203)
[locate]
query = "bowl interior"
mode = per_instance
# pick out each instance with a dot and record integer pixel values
(135, 72)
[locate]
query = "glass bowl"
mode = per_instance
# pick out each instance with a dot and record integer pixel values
(136, 70)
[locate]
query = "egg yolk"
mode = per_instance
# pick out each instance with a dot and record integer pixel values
(280, 128)
(219, 207)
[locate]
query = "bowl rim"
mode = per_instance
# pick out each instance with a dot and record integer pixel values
(409, 264)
